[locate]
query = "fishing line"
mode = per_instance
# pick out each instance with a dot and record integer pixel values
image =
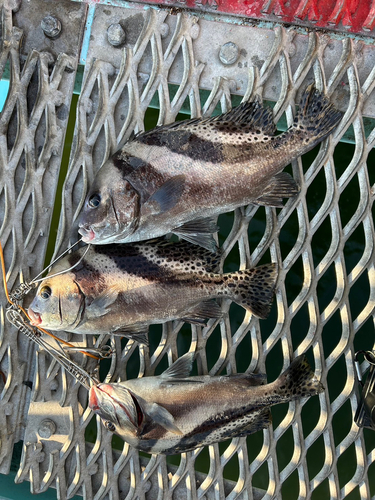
(64, 270)
(54, 261)
(16, 306)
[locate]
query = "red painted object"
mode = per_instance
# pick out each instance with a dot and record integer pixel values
(354, 16)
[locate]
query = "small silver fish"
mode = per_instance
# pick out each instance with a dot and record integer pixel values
(173, 413)
(177, 178)
(121, 289)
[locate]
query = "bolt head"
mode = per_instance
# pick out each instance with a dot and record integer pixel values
(229, 53)
(46, 428)
(51, 26)
(116, 34)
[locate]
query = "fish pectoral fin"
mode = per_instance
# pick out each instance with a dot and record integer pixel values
(162, 417)
(101, 304)
(280, 186)
(167, 196)
(181, 368)
(199, 232)
(139, 333)
(200, 313)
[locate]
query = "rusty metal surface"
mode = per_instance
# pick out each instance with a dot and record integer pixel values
(162, 46)
(32, 131)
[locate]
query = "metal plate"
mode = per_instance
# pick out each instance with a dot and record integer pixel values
(32, 130)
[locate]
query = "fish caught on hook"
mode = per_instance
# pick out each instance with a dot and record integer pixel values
(18, 316)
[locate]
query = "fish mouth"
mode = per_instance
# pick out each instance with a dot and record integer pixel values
(94, 403)
(35, 317)
(88, 235)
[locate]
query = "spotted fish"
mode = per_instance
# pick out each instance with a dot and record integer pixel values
(173, 413)
(177, 178)
(121, 289)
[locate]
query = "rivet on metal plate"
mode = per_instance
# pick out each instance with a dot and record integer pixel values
(51, 26)
(229, 53)
(116, 34)
(46, 428)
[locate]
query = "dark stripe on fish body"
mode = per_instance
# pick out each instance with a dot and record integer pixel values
(89, 278)
(144, 173)
(187, 144)
(163, 257)
(84, 267)
(122, 162)
(134, 262)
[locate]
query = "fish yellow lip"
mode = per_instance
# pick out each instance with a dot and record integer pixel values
(35, 317)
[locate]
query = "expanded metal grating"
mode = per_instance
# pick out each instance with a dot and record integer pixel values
(322, 240)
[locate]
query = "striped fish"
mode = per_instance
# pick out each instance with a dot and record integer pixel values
(177, 178)
(173, 413)
(121, 289)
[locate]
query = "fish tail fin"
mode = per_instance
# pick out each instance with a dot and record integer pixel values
(298, 381)
(316, 118)
(252, 289)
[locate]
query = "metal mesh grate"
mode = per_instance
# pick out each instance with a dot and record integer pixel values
(32, 130)
(323, 242)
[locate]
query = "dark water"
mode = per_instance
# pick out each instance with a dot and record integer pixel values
(342, 421)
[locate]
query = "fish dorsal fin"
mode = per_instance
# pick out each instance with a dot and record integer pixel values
(181, 368)
(262, 419)
(280, 186)
(216, 139)
(200, 313)
(199, 232)
(167, 196)
(255, 379)
(249, 116)
(162, 417)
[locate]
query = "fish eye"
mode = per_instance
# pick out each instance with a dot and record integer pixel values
(110, 426)
(46, 292)
(94, 200)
